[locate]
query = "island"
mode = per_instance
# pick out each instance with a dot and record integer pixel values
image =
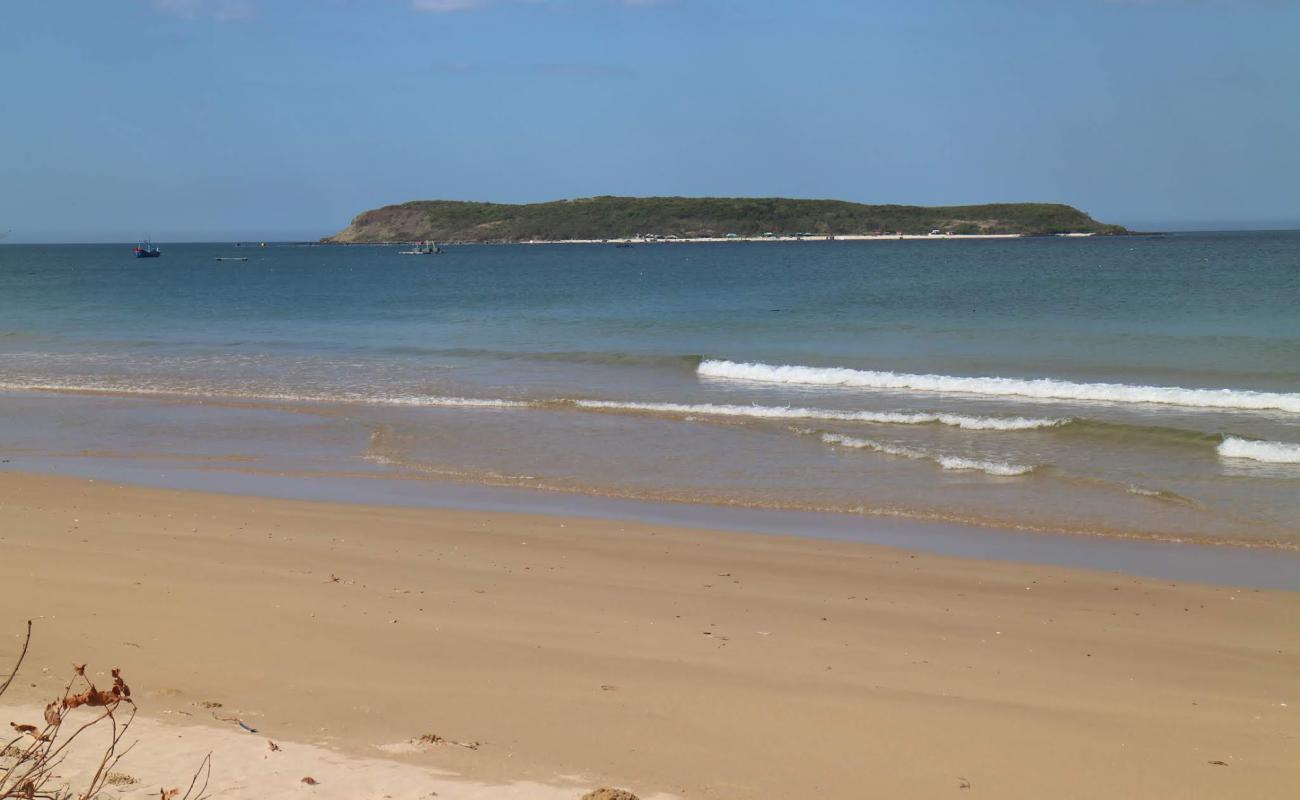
(615, 219)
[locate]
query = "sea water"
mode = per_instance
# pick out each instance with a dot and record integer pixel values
(1129, 386)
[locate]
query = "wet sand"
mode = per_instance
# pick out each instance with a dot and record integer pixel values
(579, 652)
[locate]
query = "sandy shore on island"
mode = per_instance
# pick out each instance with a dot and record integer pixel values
(575, 653)
(839, 237)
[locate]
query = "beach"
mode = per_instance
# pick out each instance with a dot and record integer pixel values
(774, 238)
(571, 653)
(644, 400)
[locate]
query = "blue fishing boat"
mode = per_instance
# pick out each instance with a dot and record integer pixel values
(147, 250)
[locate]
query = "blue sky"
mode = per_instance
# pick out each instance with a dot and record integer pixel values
(220, 119)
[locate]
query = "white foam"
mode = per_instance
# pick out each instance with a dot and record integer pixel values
(1038, 388)
(426, 401)
(1001, 468)
(784, 412)
(1271, 452)
(1143, 491)
(445, 402)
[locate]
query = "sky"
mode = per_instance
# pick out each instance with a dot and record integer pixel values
(282, 119)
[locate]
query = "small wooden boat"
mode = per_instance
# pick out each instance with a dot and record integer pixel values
(232, 258)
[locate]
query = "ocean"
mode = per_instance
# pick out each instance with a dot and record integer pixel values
(1140, 387)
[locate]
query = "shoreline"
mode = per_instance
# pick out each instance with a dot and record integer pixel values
(359, 472)
(846, 237)
(1259, 566)
(688, 662)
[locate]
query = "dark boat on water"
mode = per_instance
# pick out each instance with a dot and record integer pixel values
(422, 249)
(147, 250)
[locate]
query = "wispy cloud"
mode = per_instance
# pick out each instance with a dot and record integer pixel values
(221, 10)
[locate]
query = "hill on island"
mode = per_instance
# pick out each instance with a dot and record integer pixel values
(689, 217)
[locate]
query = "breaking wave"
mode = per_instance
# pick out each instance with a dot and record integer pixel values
(1000, 468)
(1038, 388)
(1271, 452)
(784, 412)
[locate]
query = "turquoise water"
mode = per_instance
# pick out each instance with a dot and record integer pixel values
(1141, 386)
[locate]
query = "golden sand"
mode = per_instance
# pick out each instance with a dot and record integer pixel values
(575, 653)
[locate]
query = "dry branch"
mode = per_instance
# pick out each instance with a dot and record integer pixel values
(28, 761)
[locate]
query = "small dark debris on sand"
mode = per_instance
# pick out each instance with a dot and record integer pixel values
(605, 793)
(433, 738)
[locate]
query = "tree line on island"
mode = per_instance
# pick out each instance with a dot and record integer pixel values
(601, 218)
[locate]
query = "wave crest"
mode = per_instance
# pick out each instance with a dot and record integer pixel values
(1038, 388)
(1000, 468)
(785, 412)
(1270, 452)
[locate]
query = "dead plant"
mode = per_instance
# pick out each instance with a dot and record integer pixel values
(30, 760)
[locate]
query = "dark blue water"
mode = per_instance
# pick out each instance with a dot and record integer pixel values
(1195, 309)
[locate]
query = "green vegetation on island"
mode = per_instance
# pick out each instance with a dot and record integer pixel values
(700, 217)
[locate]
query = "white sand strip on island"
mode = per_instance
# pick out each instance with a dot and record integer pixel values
(839, 237)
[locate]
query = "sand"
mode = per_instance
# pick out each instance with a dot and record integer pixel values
(580, 653)
(839, 237)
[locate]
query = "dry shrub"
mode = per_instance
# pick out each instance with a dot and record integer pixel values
(605, 793)
(29, 760)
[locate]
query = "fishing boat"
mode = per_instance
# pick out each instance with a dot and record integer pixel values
(422, 249)
(147, 250)
(232, 258)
